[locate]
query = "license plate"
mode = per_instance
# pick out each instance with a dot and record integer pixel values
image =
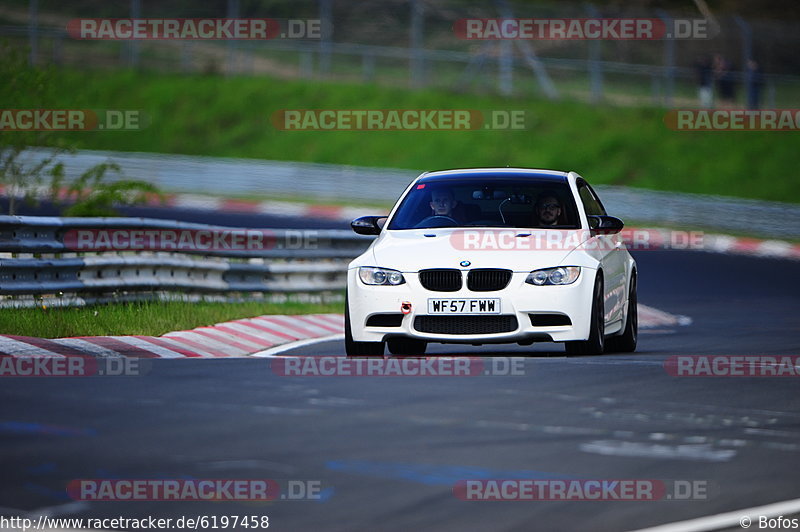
(463, 306)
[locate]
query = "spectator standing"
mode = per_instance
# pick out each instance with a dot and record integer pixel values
(726, 80)
(755, 82)
(705, 81)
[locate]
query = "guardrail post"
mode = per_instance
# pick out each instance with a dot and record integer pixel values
(417, 64)
(771, 94)
(232, 66)
(747, 55)
(669, 59)
(306, 64)
(655, 87)
(595, 61)
(133, 46)
(505, 80)
(58, 50)
(505, 59)
(325, 47)
(33, 31)
(186, 56)
(368, 67)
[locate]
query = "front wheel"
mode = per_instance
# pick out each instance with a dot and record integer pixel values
(358, 349)
(595, 345)
(626, 342)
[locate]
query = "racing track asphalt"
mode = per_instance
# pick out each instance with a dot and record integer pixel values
(387, 450)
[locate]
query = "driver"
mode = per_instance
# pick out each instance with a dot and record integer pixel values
(443, 203)
(548, 209)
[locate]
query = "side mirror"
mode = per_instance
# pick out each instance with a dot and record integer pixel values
(368, 225)
(605, 225)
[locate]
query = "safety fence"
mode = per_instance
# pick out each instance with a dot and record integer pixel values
(416, 43)
(72, 261)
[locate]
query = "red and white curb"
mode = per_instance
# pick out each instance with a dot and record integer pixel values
(236, 338)
(652, 318)
(660, 238)
(264, 336)
(277, 208)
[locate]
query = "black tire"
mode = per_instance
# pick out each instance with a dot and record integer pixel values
(407, 346)
(358, 349)
(595, 345)
(626, 342)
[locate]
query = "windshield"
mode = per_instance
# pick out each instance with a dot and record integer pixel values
(487, 201)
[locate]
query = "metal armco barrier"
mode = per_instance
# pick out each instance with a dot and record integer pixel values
(201, 174)
(95, 257)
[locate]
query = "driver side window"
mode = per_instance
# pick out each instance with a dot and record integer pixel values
(591, 204)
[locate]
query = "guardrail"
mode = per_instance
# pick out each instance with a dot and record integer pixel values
(326, 182)
(47, 261)
(71, 261)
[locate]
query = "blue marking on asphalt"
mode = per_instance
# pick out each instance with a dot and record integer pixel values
(21, 427)
(433, 475)
(60, 495)
(325, 495)
(104, 473)
(43, 469)
(110, 475)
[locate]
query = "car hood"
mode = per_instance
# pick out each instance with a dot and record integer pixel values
(519, 250)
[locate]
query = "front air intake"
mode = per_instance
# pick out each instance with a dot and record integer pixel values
(385, 320)
(465, 324)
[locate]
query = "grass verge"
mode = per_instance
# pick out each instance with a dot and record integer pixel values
(231, 117)
(142, 318)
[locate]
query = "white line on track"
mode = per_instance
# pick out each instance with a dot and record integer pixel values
(272, 351)
(737, 518)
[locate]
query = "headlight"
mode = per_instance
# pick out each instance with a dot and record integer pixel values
(550, 276)
(370, 275)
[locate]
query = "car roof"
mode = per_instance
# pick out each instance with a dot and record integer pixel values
(538, 174)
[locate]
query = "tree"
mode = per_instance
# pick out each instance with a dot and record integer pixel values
(34, 178)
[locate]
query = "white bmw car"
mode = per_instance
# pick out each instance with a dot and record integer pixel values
(485, 256)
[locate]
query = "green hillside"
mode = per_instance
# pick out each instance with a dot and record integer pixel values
(211, 115)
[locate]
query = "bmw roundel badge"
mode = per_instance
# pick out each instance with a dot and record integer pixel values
(465, 263)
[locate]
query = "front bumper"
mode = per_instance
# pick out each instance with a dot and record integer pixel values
(518, 299)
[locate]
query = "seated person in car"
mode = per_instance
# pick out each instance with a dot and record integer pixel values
(443, 203)
(548, 209)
